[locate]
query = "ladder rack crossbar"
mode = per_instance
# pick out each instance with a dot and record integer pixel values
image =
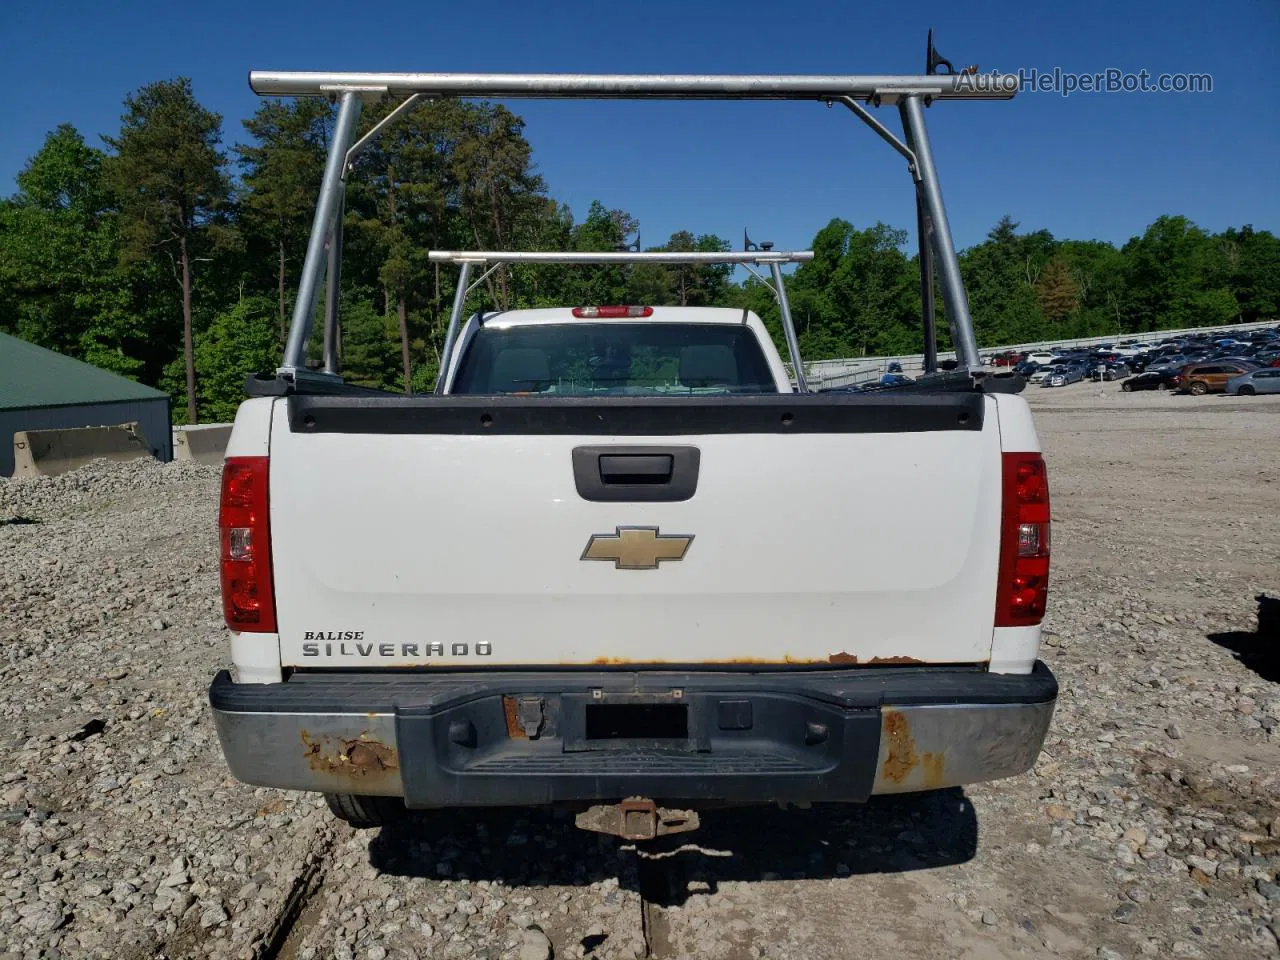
(570, 86)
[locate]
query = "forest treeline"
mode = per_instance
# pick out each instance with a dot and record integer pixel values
(171, 257)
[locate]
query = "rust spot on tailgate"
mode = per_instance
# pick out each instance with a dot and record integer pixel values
(849, 658)
(901, 757)
(363, 760)
(731, 661)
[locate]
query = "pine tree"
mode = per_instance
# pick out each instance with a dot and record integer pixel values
(168, 174)
(282, 173)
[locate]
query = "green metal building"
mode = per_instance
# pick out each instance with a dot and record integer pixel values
(43, 390)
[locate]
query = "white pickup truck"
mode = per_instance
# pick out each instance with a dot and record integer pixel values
(619, 561)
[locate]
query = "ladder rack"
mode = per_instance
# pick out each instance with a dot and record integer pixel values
(909, 93)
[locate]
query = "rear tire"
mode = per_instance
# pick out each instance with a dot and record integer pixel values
(1246, 390)
(363, 812)
(1198, 389)
(1127, 387)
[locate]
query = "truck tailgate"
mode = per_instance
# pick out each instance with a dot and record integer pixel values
(833, 530)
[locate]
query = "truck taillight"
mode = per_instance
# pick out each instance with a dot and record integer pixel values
(611, 313)
(248, 600)
(1024, 542)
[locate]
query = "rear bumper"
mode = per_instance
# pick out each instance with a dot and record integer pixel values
(459, 739)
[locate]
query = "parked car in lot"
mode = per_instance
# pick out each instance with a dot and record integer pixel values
(1042, 373)
(1109, 371)
(1064, 374)
(1041, 357)
(1025, 368)
(1170, 364)
(1151, 380)
(1212, 377)
(1264, 380)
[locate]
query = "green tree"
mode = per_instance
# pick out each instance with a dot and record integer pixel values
(404, 202)
(602, 231)
(1000, 276)
(168, 174)
(282, 170)
(859, 294)
(239, 342)
(686, 285)
(1252, 258)
(1097, 270)
(57, 243)
(370, 357)
(498, 190)
(1169, 270)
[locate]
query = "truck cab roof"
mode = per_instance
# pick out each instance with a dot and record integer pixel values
(639, 314)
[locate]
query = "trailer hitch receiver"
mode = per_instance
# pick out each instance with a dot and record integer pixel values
(637, 818)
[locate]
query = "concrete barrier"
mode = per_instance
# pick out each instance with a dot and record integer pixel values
(201, 442)
(43, 453)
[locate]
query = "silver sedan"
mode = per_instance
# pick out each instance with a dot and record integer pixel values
(1062, 375)
(1266, 380)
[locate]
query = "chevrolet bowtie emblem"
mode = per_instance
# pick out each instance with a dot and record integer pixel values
(636, 548)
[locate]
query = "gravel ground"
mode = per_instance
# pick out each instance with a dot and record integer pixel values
(1150, 826)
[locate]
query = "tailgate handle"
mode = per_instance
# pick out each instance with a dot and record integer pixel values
(636, 468)
(615, 473)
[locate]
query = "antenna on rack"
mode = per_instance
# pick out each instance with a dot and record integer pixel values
(933, 59)
(748, 245)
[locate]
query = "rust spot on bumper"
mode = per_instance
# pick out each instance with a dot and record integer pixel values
(511, 710)
(361, 760)
(934, 770)
(900, 758)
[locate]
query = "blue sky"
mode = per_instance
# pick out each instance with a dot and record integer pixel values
(1087, 166)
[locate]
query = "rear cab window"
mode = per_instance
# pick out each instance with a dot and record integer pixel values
(613, 358)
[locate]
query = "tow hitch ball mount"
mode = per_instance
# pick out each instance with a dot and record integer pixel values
(637, 818)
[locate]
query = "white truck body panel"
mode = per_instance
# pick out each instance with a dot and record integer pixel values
(807, 548)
